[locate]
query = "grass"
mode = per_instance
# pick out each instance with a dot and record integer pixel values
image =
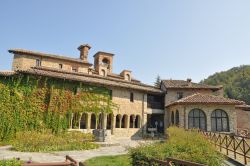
(11, 162)
(120, 160)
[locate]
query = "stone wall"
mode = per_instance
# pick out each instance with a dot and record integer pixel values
(25, 62)
(121, 97)
(208, 109)
(243, 120)
(171, 95)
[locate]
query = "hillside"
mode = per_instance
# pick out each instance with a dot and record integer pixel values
(236, 82)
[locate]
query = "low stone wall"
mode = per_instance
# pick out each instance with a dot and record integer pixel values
(127, 132)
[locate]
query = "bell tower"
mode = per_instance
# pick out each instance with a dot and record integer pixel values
(103, 63)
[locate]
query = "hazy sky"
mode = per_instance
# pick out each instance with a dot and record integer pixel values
(176, 39)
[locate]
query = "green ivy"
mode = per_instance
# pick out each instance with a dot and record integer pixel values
(29, 103)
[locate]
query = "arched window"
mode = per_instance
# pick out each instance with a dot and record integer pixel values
(172, 118)
(197, 119)
(219, 121)
(93, 121)
(110, 121)
(124, 121)
(177, 120)
(103, 73)
(75, 121)
(83, 122)
(137, 121)
(117, 121)
(105, 61)
(127, 77)
(131, 121)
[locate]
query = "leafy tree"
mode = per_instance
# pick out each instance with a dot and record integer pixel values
(236, 82)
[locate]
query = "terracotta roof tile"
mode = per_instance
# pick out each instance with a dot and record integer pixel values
(7, 73)
(35, 53)
(90, 79)
(206, 99)
(182, 84)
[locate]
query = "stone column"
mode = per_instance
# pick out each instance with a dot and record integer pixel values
(88, 121)
(104, 121)
(120, 122)
(79, 121)
(128, 122)
(71, 121)
(144, 113)
(114, 122)
(134, 117)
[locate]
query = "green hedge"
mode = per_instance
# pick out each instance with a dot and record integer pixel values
(181, 144)
(31, 141)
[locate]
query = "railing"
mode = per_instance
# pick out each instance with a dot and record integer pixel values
(231, 144)
(69, 162)
(172, 161)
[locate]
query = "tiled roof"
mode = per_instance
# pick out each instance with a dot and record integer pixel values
(7, 73)
(182, 84)
(206, 99)
(90, 79)
(244, 107)
(35, 53)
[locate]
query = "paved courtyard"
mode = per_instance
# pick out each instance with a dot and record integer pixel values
(116, 147)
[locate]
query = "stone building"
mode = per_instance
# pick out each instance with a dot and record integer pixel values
(141, 106)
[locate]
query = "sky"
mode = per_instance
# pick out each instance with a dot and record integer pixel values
(176, 39)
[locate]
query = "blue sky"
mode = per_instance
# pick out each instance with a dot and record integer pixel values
(176, 39)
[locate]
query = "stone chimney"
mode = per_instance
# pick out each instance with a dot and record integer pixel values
(189, 81)
(84, 51)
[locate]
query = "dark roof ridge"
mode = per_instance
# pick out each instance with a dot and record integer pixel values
(55, 56)
(199, 98)
(89, 75)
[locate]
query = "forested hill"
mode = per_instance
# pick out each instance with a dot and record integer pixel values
(236, 82)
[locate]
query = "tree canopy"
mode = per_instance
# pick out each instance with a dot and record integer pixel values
(236, 82)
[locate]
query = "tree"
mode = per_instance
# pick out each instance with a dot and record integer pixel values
(157, 81)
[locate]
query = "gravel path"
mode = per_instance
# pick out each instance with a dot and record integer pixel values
(116, 147)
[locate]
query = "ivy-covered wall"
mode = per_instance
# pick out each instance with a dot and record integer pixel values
(38, 103)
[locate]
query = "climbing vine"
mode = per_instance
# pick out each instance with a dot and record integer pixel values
(36, 103)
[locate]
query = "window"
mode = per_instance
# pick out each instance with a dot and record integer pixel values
(60, 66)
(127, 77)
(219, 121)
(74, 69)
(177, 117)
(38, 62)
(103, 73)
(172, 118)
(131, 97)
(197, 119)
(179, 95)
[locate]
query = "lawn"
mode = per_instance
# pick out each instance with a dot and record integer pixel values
(121, 160)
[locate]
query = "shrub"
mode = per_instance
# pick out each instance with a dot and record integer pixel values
(184, 145)
(45, 141)
(12, 162)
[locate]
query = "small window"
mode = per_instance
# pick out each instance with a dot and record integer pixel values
(127, 77)
(103, 73)
(74, 69)
(60, 66)
(179, 95)
(38, 62)
(131, 97)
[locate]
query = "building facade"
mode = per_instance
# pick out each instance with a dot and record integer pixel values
(141, 106)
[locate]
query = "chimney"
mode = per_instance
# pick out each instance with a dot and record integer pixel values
(84, 50)
(189, 81)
